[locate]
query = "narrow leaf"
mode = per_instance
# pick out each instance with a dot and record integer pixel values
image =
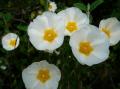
(81, 6)
(22, 27)
(95, 4)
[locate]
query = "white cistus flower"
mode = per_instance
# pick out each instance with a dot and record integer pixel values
(52, 6)
(111, 27)
(89, 45)
(74, 19)
(3, 67)
(10, 41)
(46, 32)
(41, 75)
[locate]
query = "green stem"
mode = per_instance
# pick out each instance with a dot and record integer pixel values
(88, 10)
(6, 26)
(46, 5)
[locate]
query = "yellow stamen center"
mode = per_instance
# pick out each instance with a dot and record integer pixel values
(12, 42)
(106, 31)
(49, 6)
(43, 75)
(85, 48)
(71, 26)
(49, 35)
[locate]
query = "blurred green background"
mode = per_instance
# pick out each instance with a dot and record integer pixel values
(15, 16)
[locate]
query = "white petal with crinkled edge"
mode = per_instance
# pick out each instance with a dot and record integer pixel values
(98, 40)
(108, 22)
(113, 26)
(29, 76)
(6, 38)
(115, 34)
(36, 31)
(77, 37)
(73, 14)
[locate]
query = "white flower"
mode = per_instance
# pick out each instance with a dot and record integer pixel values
(46, 32)
(111, 27)
(52, 6)
(89, 45)
(74, 19)
(41, 75)
(3, 67)
(10, 41)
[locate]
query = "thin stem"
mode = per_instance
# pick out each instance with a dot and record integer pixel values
(88, 10)
(112, 82)
(46, 6)
(6, 26)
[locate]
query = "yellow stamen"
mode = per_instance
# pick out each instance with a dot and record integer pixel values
(71, 26)
(85, 48)
(43, 75)
(12, 42)
(49, 6)
(106, 31)
(49, 35)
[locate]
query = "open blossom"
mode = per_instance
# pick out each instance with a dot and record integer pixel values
(41, 75)
(46, 32)
(52, 6)
(74, 19)
(89, 45)
(111, 27)
(10, 41)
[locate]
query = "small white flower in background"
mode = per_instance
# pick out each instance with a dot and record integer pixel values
(3, 67)
(89, 45)
(111, 27)
(41, 75)
(40, 12)
(57, 52)
(10, 41)
(46, 32)
(52, 6)
(74, 19)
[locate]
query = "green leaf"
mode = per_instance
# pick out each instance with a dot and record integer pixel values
(22, 27)
(81, 6)
(95, 4)
(7, 17)
(44, 3)
(115, 13)
(1, 24)
(6, 30)
(1, 15)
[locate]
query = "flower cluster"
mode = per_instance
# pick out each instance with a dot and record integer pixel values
(89, 44)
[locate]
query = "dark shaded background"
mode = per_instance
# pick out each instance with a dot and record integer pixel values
(15, 15)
